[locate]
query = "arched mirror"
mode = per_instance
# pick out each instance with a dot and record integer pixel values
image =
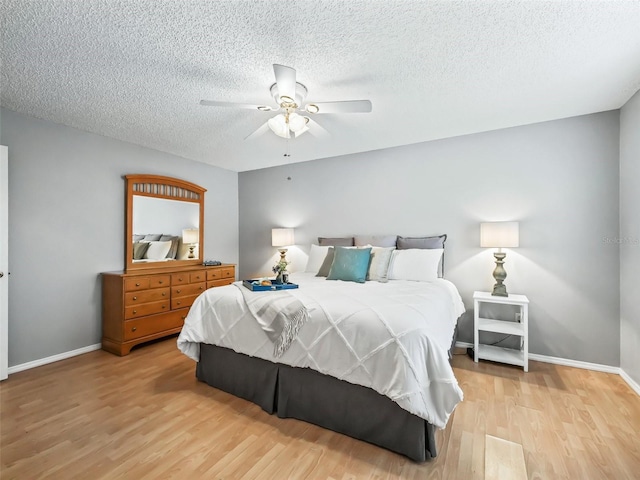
(165, 222)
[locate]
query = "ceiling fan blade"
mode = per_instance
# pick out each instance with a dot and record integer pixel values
(286, 81)
(316, 130)
(349, 106)
(261, 130)
(214, 103)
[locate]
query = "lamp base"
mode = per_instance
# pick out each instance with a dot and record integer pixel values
(499, 289)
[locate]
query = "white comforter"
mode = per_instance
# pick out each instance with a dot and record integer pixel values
(392, 337)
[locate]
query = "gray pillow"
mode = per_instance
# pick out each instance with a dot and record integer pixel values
(137, 238)
(152, 237)
(139, 249)
(375, 240)
(173, 249)
(436, 241)
(335, 242)
(326, 264)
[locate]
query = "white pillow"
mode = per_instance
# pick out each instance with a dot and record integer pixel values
(158, 250)
(379, 266)
(317, 254)
(417, 264)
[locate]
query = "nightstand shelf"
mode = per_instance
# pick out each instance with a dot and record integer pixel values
(500, 354)
(521, 329)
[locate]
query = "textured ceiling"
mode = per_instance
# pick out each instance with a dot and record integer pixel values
(135, 70)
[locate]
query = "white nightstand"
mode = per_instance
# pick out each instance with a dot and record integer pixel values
(499, 354)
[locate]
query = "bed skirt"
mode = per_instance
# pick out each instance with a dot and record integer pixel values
(305, 394)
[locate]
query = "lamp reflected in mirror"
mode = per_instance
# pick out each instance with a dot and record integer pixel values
(190, 237)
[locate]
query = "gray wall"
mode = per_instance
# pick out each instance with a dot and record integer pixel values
(630, 237)
(66, 225)
(559, 179)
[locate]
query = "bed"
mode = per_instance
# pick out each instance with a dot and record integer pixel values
(371, 361)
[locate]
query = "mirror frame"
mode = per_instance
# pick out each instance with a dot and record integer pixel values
(168, 188)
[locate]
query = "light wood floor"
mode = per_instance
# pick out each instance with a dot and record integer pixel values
(144, 416)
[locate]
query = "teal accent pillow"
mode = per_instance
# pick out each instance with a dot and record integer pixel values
(350, 264)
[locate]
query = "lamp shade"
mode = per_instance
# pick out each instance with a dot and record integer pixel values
(279, 126)
(282, 237)
(500, 234)
(190, 236)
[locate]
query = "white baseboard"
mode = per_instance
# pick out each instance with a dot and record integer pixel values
(630, 381)
(567, 362)
(53, 358)
(576, 364)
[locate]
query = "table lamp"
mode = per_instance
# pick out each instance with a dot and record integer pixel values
(282, 237)
(190, 236)
(499, 235)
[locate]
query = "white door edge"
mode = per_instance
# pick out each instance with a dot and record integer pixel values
(4, 261)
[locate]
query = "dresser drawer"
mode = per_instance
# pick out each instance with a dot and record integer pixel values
(183, 302)
(159, 281)
(196, 277)
(142, 327)
(219, 283)
(146, 296)
(180, 278)
(185, 290)
(136, 283)
(228, 272)
(220, 273)
(146, 309)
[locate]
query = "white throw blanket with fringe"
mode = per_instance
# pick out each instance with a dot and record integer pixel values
(279, 314)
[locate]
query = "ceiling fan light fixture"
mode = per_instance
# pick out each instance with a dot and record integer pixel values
(279, 126)
(286, 99)
(312, 108)
(264, 108)
(297, 122)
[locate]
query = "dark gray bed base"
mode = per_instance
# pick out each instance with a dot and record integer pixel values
(305, 394)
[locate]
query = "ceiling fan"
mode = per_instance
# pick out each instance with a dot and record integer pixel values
(289, 96)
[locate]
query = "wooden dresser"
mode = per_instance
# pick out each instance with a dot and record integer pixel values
(147, 304)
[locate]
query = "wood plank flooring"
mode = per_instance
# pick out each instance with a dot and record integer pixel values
(145, 416)
(503, 460)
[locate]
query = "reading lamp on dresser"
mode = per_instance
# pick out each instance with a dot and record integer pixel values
(163, 275)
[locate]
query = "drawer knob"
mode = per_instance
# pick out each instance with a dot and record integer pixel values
(137, 284)
(164, 294)
(133, 329)
(164, 306)
(201, 288)
(135, 311)
(183, 317)
(135, 298)
(177, 291)
(160, 281)
(178, 303)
